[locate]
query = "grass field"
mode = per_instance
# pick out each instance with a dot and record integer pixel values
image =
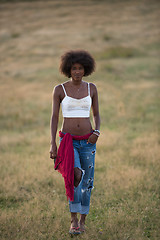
(123, 36)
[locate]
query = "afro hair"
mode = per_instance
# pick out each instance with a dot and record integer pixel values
(77, 56)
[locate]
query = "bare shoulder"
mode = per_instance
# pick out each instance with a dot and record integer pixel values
(93, 89)
(92, 85)
(57, 90)
(66, 83)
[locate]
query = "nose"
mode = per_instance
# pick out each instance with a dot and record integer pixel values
(77, 71)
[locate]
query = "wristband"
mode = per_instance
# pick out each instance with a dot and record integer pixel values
(96, 130)
(96, 134)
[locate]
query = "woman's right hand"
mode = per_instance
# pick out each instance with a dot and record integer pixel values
(53, 151)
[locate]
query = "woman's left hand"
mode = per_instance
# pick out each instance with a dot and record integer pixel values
(92, 139)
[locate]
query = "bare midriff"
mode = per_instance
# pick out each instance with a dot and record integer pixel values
(77, 126)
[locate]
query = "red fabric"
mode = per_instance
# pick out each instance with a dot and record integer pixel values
(65, 161)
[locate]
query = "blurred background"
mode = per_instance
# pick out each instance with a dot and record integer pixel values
(124, 38)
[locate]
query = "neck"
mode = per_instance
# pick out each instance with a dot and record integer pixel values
(76, 83)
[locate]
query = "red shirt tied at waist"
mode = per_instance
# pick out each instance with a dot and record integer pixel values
(65, 161)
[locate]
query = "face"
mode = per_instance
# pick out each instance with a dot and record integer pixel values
(77, 72)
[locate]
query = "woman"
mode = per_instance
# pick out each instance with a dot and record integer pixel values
(76, 98)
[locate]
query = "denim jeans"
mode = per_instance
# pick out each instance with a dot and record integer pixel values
(84, 158)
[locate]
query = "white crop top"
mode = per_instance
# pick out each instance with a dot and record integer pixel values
(76, 108)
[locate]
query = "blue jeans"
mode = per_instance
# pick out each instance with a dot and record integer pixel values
(84, 158)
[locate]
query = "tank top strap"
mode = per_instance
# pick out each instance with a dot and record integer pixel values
(88, 89)
(64, 89)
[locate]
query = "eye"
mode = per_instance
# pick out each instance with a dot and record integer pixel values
(73, 68)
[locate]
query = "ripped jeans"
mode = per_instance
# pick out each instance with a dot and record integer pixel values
(84, 158)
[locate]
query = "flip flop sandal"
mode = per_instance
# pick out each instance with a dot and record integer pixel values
(74, 230)
(81, 228)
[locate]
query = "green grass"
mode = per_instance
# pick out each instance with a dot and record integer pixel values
(118, 52)
(126, 198)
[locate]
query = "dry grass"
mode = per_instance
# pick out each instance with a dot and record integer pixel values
(124, 38)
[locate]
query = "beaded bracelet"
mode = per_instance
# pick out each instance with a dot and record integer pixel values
(96, 130)
(96, 134)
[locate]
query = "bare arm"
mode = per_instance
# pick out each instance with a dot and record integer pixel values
(96, 117)
(95, 109)
(54, 121)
